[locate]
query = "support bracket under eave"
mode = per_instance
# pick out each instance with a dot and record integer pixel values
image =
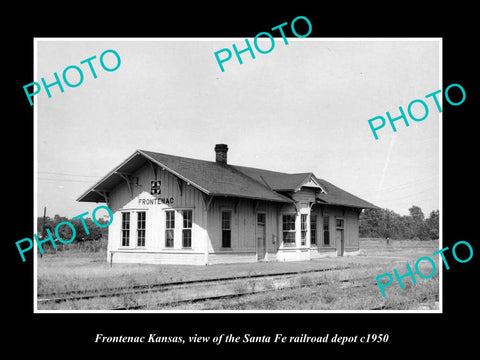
(207, 199)
(104, 194)
(180, 185)
(255, 205)
(235, 204)
(154, 168)
(297, 206)
(128, 179)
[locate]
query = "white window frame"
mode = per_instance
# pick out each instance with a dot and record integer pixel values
(316, 229)
(184, 228)
(169, 228)
(294, 231)
(229, 210)
(306, 229)
(144, 230)
(129, 229)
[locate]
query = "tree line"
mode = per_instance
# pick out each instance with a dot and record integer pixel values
(385, 223)
(65, 232)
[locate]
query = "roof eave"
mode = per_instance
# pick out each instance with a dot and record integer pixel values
(112, 172)
(137, 152)
(363, 206)
(282, 198)
(175, 173)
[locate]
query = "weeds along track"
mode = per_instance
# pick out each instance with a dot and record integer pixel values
(433, 297)
(176, 303)
(161, 287)
(172, 304)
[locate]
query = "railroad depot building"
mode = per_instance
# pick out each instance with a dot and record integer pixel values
(176, 210)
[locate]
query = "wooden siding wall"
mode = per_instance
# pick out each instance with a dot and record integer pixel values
(206, 226)
(186, 198)
(351, 237)
(244, 220)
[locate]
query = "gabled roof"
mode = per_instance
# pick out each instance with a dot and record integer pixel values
(211, 178)
(279, 181)
(336, 196)
(217, 179)
(328, 194)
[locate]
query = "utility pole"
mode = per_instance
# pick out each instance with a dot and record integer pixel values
(43, 225)
(44, 215)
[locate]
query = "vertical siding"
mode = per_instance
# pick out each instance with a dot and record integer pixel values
(187, 198)
(206, 227)
(243, 224)
(351, 230)
(351, 240)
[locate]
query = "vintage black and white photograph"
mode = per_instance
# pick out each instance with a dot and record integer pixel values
(234, 175)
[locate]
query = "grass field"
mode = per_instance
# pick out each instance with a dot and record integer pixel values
(352, 289)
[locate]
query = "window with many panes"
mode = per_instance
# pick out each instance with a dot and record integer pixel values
(313, 229)
(326, 230)
(141, 228)
(125, 228)
(169, 228)
(303, 228)
(187, 228)
(288, 229)
(226, 229)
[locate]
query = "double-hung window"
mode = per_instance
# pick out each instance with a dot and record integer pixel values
(169, 228)
(313, 229)
(187, 228)
(303, 229)
(288, 229)
(125, 228)
(226, 229)
(141, 228)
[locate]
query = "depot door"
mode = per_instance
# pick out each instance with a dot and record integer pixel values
(260, 234)
(339, 236)
(339, 241)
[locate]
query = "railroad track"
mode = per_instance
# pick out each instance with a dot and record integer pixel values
(174, 303)
(189, 287)
(76, 295)
(177, 303)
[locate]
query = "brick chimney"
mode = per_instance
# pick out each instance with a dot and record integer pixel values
(221, 153)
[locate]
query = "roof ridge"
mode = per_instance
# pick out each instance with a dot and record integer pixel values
(256, 168)
(176, 156)
(214, 162)
(232, 168)
(258, 182)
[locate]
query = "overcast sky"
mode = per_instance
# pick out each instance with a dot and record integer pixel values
(303, 107)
